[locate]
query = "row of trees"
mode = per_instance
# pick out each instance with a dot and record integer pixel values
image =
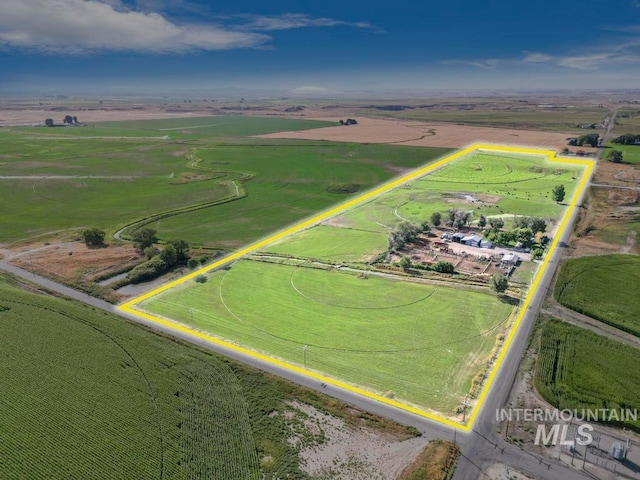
(174, 253)
(67, 120)
(627, 139)
(591, 139)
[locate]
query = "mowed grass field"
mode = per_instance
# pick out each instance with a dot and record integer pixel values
(419, 343)
(604, 287)
(578, 369)
(631, 153)
(87, 395)
(504, 185)
(115, 174)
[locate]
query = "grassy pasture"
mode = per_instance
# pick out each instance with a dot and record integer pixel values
(604, 287)
(514, 185)
(631, 153)
(338, 244)
(87, 395)
(289, 183)
(393, 337)
(148, 175)
(578, 369)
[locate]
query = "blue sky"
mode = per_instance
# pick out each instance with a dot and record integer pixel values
(318, 47)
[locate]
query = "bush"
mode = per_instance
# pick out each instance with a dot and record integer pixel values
(444, 267)
(192, 263)
(200, 279)
(149, 270)
(93, 236)
(343, 188)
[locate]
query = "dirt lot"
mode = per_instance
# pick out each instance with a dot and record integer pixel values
(72, 262)
(352, 453)
(403, 132)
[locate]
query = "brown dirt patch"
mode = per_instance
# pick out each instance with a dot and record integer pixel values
(617, 173)
(351, 453)
(374, 130)
(618, 197)
(74, 262)
(436, 462)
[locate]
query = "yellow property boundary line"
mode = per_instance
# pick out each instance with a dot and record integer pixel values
(550, 155)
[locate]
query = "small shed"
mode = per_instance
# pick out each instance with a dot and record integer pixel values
(486, 244)
(510, 259)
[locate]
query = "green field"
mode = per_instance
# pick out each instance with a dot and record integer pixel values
(631, 153)
(393, 337)
(88, 395)
(211, 185)
(508, 185)
(578, 369)
(604, 287)
(420, 342)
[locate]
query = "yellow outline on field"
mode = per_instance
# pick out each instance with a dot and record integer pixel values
(550, 156)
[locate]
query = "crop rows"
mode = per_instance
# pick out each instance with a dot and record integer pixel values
(578, 369)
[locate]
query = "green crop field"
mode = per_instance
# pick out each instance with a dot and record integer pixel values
(604, 287)
(87, 395)
(200, 179)
(373, 329)
(578, 369)
(393, 337)
(631, 153)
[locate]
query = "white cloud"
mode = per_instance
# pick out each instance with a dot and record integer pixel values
(537, 58)
(488, 64)
(290, 21)
(78, 26)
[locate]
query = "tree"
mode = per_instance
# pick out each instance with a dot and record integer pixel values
(588, 139)
(405, 262)
(68, 119)
(182, 250)
(451, 216)
(436, 218)
(169, 255)
(462, 218)
(558, 193)
(75, 120)
(49, 122)
(482, 221)
(444, 267)
(425, 227)
(151, 252)
(93, 237)
(565, 151)
(500, 283)
(537, 225)
(496, 223)
(615, 156)
(144, 238)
